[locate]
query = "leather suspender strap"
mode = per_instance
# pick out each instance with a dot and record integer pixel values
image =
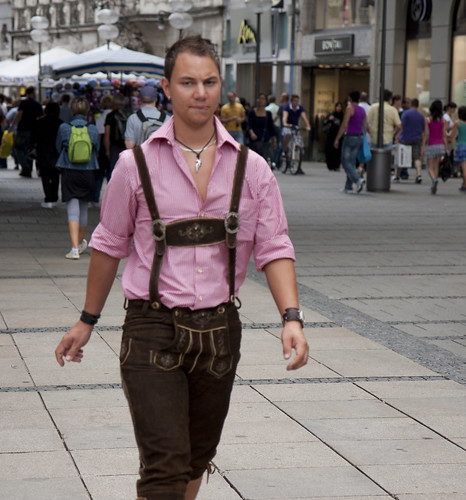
(159, 230)
(158, 227)
(232, 221)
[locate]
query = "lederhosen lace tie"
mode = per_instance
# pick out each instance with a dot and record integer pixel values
(192, 232)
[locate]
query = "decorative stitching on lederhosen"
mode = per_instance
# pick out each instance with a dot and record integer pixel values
(192, 232)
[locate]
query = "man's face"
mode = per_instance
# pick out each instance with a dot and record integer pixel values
(231, 97)
(194, 89)
(294, 102)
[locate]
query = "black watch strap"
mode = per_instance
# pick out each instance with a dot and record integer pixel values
(293, 314)
(88, 318)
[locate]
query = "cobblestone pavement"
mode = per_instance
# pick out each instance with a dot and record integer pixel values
(378, 412)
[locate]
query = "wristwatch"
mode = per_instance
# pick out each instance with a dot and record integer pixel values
(293, 314)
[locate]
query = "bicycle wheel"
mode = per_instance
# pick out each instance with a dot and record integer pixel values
(296, 159)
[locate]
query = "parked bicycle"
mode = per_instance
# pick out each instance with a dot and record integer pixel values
(291, 160)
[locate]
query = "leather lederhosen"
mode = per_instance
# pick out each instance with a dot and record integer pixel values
(195, 231)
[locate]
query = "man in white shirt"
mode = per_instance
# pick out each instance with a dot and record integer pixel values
(450, 110)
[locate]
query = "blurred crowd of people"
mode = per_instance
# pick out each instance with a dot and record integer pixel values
(75, 138)
(436, 138)
(110, 120)
(266, 127)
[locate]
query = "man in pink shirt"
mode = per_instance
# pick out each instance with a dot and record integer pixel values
(188, 249)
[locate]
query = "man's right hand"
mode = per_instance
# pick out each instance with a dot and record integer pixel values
(70, 346)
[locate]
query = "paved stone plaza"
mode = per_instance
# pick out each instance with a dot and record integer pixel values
(378, 412)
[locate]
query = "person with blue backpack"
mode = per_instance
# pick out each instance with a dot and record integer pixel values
(78, 144)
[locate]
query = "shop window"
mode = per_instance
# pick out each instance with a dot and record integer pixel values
(342, 13)
(458, 76)
(227, 43)
(418, 71)
(418, 49)
(282, 30)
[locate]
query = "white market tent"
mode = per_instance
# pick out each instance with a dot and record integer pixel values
(106, 60)
(26, 70)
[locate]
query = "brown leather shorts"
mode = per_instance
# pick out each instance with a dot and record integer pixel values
(177, 368)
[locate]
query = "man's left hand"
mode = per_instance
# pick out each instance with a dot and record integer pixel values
(293, 338)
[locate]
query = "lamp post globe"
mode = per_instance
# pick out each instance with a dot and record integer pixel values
(107, 16)
(39, 35)
(39, 23)
(181, 5)
(180, 20)
(108, 31)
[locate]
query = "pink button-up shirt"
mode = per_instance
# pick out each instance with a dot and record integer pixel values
(194, 277)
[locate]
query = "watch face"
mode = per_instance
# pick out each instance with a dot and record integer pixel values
(294, 315)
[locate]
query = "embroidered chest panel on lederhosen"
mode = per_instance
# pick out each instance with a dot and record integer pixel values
(192, 232)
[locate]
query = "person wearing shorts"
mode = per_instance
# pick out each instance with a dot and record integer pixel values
(460, 152)
(187, 207)
(435, 134)
(413, 125)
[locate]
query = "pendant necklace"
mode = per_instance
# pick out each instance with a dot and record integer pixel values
(197, 152)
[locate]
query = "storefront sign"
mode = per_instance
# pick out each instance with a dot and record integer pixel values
(246, 33)
(333, 45)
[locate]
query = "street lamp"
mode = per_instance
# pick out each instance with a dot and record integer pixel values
(179, 18)
(39, 34)
(107, 31)
(378, 169)
(258, 7)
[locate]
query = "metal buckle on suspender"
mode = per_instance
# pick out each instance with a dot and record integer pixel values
(158, 229)
(232, 222)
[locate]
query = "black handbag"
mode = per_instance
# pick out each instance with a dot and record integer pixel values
(446, 168)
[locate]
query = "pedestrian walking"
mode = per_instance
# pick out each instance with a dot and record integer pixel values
(331, 125)
(391, 122)
(274, 108)
(77, 143)
(104, 170)
(435, 142)
(232, 115)
(65, 111)
(43, 141)
(413, 126)
(261, 129)
(170, 208)
(352, 128)
(28, 112)
(448, 115)
(459, 128)
(115, 126)
(146, 120)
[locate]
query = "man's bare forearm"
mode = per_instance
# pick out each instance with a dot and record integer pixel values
(100, 278)
(281, 277)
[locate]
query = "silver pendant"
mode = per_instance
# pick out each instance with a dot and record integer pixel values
(198, 164)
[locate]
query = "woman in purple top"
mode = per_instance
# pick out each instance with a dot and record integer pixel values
(435, 133)
(353, 128)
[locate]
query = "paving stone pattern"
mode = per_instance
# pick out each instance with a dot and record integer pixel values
(378, 412)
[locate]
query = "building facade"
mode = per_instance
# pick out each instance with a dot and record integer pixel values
(143, 24)
(322, 49)
(319, 49)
